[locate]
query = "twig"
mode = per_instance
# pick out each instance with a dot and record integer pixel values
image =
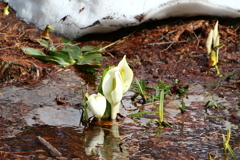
(6, 48)
(52, 149)
(4, 27)
(170, 42)
(63, 44)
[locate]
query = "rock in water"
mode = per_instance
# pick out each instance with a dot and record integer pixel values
(75, 18)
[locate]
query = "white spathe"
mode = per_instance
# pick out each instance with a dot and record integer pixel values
(116, 82)
(112, 87)
(126, 74)
(75, 18)
(97, 104)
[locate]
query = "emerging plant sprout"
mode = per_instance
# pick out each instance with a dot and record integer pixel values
(212, 46)
(46, 30)
(114, 84)
(6, 11)
(226, 140)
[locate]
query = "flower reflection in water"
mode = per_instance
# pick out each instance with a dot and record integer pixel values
(103, 141)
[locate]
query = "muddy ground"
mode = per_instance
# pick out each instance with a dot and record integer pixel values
(163, 50)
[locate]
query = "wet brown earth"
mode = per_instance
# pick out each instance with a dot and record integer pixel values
(43, 100)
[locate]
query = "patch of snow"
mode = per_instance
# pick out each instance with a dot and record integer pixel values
(76, 18)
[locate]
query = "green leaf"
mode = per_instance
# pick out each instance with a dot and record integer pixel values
(43, 42)
(91, 58)
(107, 112)
(90, 48)
(47, 44)
(32, 52)
(64, 40)
(75, 52)
(65, 56)
(152, 120)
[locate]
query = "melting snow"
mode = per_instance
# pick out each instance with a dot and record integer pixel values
(75, 18)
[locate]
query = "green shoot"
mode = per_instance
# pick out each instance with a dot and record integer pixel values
(182, 107)
(160, 109)
(209, 156)
(84, 117)
(160, 112)
(226, 140)
(6, 11)
(182, 89)
(233, 74)
(211, 103)
(46, 31)
(217, 70)
(140, 90)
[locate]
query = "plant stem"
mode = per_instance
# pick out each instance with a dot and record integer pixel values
(114, 110)
(160, 111)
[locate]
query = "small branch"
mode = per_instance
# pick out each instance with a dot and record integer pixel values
(6, 48)
(162, 43)
(52, 149)
(4, 27)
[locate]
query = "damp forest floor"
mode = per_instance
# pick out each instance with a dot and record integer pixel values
(42, 100)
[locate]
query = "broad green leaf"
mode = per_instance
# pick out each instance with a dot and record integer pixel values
(66, 41)
(93, 58)
(55, 60)
(73, 49)
(90, 48)
(66, 56)
(75, 52)
(43, 42)
(32, 51)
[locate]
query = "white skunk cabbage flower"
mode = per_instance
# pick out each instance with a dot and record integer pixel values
(112, 87)
(116, 82)
(126, 74)
(97, 104)
(212, 45)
